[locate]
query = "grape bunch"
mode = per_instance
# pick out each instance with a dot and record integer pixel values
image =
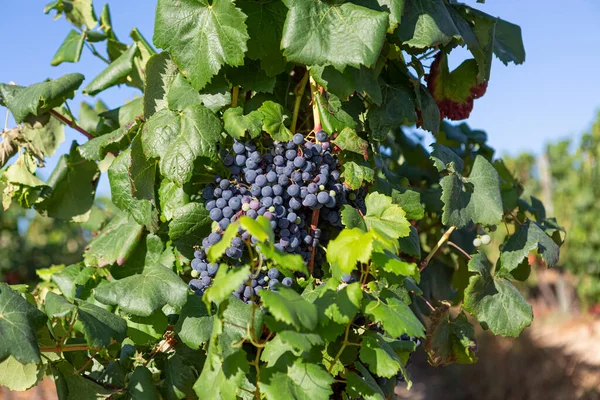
(286, 184)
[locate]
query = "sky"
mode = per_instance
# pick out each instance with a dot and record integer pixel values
(555, 94)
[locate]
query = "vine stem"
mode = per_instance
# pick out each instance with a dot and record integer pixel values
(314, 88)
(341, 350)
(234, 96)
(457, 247)
(439, 244)
(95, 52)
(72, 124)
(298, 92)
(70, 329)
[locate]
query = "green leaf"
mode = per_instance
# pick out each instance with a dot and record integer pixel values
(349, 247)
(376, 352)
(299, 379)
(312, 34)
(40, 97)
(350, 141)
(146, 330)
(450, 340)
(346, 305)
(260, 228)
(178, 139)
(527, 238)
(364, 386)
(495, 302)
(265, 25)
(275, 120)
(428, 112)
(171, 197)
(144, 293)
(122, 190)
(179, 379)
(291, 262)
(351, 218)
(141, 385)
(45, 134)
(445, 159)
(395, 316)
(333, 116)
(73, 183)
(221, 378)
(70, 49)
(115, 243)
(389, 262)
(427, 23)
(161, 72)
(182, 94)
(194, 325)
(300, 341)
(237, 124)
(116, 73)
(201, 36)
(66, 280)
(217, 250)
(226, 282)
(190, 219)
(384, 217)
(97, 148)
(508, 43)
(410, 201)
(19, 322)
(100, 326)
(411, 245)
(17, 376)
(474, 199)
(78, 12)
(251, 77)
(70, 384)
(397, 108)
(288, 306)
(57, 306)
(355, 174)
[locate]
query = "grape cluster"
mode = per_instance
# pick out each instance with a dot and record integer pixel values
(285, 184)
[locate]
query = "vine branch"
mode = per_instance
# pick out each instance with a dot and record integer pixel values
(72, 124)
(439, 244)
(457, 247)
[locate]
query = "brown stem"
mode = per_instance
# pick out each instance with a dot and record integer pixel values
(313, 225)
(439, 244)
(80, 370)
(457, 247)
(72, 124)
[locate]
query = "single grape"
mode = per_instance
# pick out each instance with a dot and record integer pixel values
(323, 197)
(255, 190)
(486, 239)
(267, 191)
(245, 207)
(216, 214)
(278, 160)
(240, 160)
(287, 281)
(295, 204)
(212, 269)
(196, 284)
(250, 163)
(272, 283)
(252, 214)
(477, 242)
(298, 139)
(254, 204)
(227, 212)
(310, 200)
(271, 176)
(235, 203)
(267, 201)
(214, 238)
(238, 148)
(293, 190)
(291, 154)
(277, 190)
(321, 136)
(273, 273)
(299, 162)
(224, 223)
(292, 217)
(210, 205)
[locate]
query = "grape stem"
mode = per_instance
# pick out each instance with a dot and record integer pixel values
(313, 225)
(298, 92)
(439, 244)
(234, 96)
(72, 124)
(316, 117)
(457, 247)
(345, 343)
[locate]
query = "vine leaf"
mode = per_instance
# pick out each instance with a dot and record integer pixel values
(194, 325)
(70, 49)
(78, 12)
(397, 108)
(455, 92)
(226, 282)
(427, 23)
(97, 148)
(450, 340)
(201, 36)
(237, 124)
(73, 188)
(376, 352)
(390, 262)
(275, 121)
(527, 238)
(350, 141)
(116, 73)
(495, 302)
(288, 306)
(191, 219)
(295, 379)
(474, 199)
(260, 228)
(98, 325)
(251, 77)
(356, 171)
(395, 316)
(364, 386)
(178, 139)
(44, 133)
(141, 385)
(19, 377)
(384, 217)
(161, 72)
(19, 322)
(265, 25)
(349, 247)
(179, 379)
(346, 304)
(70, 384)
(146, 331)
(57, 306)
(171, 197)
(291, 262)
(40, 97)
(333, 116)
(312, 34)
(142, 294)
(115, 243)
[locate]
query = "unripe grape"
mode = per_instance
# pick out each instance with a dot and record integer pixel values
(486, 239)
(477, 242)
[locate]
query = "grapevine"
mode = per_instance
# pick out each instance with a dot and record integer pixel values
(280, 233)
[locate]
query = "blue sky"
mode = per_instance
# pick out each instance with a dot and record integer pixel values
(554, 94)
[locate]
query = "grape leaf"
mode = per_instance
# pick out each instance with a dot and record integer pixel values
(508, 43)
(364, 386)
(237, 124)
(389, 262)
(291, 262)
(57, 306)
(349, 140)
(19, 377)
(78, 12)
(379, 355)
(178, 139)
(99, 325)
(428, 112)
(45, 134)
(333, 116)
(346, 304)
(444, 159)
(141, 385)
(194, 325)
(226, 282)
(70, 49)
(201, 36)
(397, 108)
(217, 250)
(161, 72)
(450, 340)
(69, 384)
(427, 23)
(300, 341)
(260, 228)
(288, 306)
(275, 120)
(395, 316)
(144, 293)
(265, 26)
(19, 322)
(351, 218)
(73, 183)
(179, 379)
(318, 33)
(495, 302)
(251, 77)
(384, 217)
(171, 197)
(356, 173)
(115, 73)
(455, 92)
(349, 247)
(146, 330)
(299, 379)
(40, 97)
(394, 7)
(411, 244)
(190, 219)
(527, 238)
(97, 148)
(115, 243)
